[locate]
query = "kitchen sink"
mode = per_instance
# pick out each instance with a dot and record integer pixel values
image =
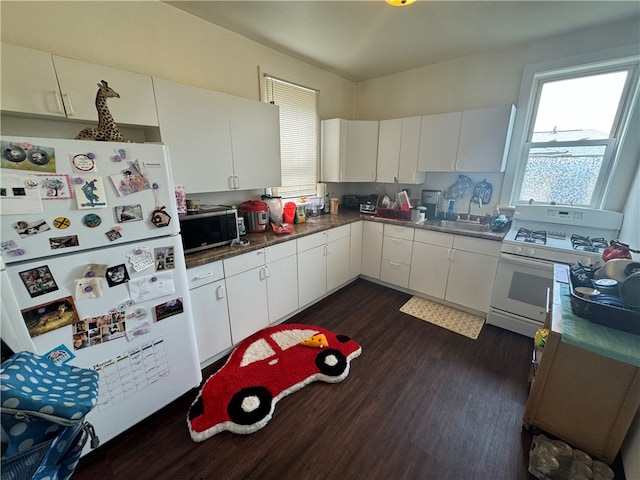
(462, 225)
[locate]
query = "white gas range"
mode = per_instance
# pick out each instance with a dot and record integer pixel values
(541, 235)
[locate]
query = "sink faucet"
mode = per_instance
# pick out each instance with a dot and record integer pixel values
(469, 209)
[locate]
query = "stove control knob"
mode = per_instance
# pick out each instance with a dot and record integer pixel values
(517, 250)
(531, 252)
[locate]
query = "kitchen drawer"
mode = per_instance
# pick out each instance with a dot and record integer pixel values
(396, 231)
(280, 251)
(311, 241)
(434, 238)
(397, 250)
(394, 272)
(477, 245)
(244, 262)
(204, 274)
(338, 233)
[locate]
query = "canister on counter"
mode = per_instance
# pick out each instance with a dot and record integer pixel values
(334, 205)
(301, 216)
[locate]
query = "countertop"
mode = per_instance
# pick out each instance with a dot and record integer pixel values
(315, 225)
(608, 342)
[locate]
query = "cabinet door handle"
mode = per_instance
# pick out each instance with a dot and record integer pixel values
(394, 264)
(219, 292)
(230, 182)
(203, 275)
(268, 270)
(263, 273)
(67, 101)
(397, 241)
(546, 305)
(236, 182)
(58, 101)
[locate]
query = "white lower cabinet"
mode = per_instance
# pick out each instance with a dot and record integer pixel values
(474, 262)
(260, 288)
(372, 234)
(323, 263)
(338, 254)
(209, 307)
(397, 246)
(355, 251)
(455, 268)
(430, 263)
(282, 280)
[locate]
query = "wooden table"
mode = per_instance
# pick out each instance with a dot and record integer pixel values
(586, 399)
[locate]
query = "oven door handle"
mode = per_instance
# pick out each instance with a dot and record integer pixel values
(543, 264)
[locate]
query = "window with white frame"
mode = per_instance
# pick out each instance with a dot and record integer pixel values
(299, 133)
(576, 120)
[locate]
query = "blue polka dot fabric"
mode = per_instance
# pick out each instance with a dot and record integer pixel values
(43, 404)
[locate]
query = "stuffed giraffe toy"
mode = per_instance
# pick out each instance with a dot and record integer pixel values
(107, 130)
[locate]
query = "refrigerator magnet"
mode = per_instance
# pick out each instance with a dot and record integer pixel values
(88, 288)
(60, 354)
(113, 234)
(131, 180)
(91, 220)
(90, 193)
(38, 159)
(50, 316)
(83, 162)
(38, 281)
(61, 223)
(95, 270)
(117, 275)
(63, 242)
(27, 229)
(129, 213)
(169, 309)
(160, 218)
(140, 258)
(55, 187)
(165, 258)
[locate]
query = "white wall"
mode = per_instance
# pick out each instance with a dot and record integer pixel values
(484, 79)
(493, 78)
(157, 39)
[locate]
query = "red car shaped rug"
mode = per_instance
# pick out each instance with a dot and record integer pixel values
(268, 366)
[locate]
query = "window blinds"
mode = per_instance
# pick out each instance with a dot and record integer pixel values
(299, 131)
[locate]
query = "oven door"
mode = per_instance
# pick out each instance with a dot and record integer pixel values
(522, 286)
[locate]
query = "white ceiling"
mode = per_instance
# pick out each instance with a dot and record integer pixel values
(361, 40)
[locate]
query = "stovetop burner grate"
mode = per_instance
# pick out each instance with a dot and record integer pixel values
(531, 236)
(586, 244)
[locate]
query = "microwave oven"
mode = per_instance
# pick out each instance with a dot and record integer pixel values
(212, 226)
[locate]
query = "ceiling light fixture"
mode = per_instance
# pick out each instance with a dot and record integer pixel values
(400, 3)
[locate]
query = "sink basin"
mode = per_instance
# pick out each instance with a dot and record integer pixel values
(469, 226)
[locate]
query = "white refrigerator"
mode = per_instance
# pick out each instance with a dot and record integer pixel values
(93, 271)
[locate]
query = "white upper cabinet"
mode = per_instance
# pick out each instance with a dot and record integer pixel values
(218, 142)
(470, 141)
(439, 137)
(398, 144)
(255, 142)
(409, 149)
(35, 82)
(349, 150)
(194, 123)
(485, 136)
(79, 85)
(389, 138)
(29, 83)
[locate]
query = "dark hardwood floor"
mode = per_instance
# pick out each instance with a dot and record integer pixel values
(420, 402)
